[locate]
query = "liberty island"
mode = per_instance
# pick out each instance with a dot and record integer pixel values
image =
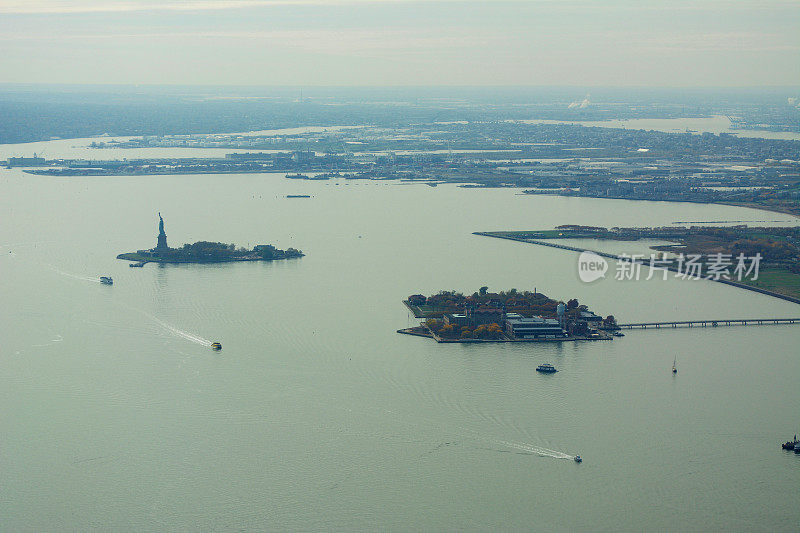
(206, 252)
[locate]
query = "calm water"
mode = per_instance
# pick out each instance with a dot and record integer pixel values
(318, 416)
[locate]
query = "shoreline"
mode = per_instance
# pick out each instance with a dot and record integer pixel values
(415, 331)
(771, 209)
(136, 258)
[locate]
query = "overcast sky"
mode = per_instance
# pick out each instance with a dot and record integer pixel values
(399, 42)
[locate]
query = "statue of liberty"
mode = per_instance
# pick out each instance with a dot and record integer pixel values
(162, 237)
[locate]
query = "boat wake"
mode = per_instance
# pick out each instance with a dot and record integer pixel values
(57, 339)
(73, 276)
(543, 452)
(32, 243)
(53, 268)
(521, 446)
(197, 339)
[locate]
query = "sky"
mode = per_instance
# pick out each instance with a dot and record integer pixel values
(677, 43)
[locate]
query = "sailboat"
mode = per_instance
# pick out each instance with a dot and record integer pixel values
(674, 368)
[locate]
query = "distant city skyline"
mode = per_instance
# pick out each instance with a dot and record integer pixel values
(400, 42)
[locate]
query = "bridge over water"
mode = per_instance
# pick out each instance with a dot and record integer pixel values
(711, 323)
(642, 262)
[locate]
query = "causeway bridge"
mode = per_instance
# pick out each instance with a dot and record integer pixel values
(642, 262)
(710, 323)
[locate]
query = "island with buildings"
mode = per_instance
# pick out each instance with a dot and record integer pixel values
(507, 316)
(205, 252)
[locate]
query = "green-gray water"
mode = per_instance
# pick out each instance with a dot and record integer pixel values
(318, 416)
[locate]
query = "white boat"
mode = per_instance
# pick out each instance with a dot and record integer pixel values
(578, 459)
(106, 280)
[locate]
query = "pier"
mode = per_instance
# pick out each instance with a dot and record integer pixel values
(711, 323)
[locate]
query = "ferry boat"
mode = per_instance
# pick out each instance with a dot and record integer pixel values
(216, 346)
(547, 368)
(578, 459)
(297, 176)
(106, 280)
(791, 444)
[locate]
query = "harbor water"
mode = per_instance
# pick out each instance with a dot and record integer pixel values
(317, 415)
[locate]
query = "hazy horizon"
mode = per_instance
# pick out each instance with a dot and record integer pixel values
(385, 43)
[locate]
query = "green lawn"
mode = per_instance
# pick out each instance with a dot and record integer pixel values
(777, 280)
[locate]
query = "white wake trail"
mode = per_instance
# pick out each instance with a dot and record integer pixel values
(522, 446)
(544, 452)
(53, 268)
(178, 332)
(74, 276)
(69, 274)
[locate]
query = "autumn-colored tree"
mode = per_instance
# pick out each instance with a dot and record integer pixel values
(434, 324)
(448, 331)
(494, 330)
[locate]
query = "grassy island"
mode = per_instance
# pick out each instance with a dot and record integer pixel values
(506, 316)
(211, 252)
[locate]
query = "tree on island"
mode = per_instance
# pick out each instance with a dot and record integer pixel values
(610, 322)
(417, 299)
(525, 303)
(488, 331)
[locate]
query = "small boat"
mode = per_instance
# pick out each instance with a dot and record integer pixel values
(547, 368)
(106, 280)
(216, 346)
(578, 459)
(797, 450)
(791, 444)
(675, 368)
(617, 333)
(138, 264)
